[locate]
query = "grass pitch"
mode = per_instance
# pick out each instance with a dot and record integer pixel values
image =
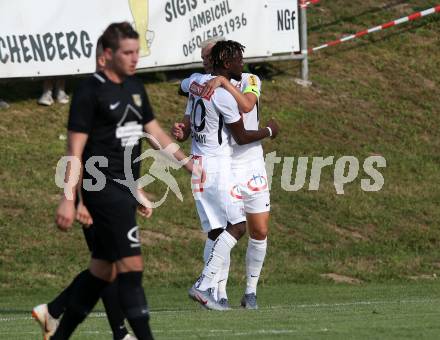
(374, 96)
(405, 311)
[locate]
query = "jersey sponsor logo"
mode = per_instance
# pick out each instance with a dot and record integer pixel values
(197, 89)
(137, 99)
(114, 106)
(257, 183)
(129, 133)
(198, 137)
(133, 236)
(235, 192)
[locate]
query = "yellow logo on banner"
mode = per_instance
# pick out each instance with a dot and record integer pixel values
(137, 99)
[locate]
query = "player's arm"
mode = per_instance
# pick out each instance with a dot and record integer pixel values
(181, 131)
(81, 116)
(82, 213)
(243, 136)
(227, 107)
(145, 208)
(65, 214)
(184, 85)
(246, 101)
(162, 141)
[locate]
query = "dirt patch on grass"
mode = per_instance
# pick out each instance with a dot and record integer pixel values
(341, 278)
(423, 277)
(349, 233)
(149, 237)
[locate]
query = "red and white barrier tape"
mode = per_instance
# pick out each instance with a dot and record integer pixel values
(411, 17)
(305, 3)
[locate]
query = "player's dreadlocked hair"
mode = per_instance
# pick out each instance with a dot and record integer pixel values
(225, 50)
(116, 32)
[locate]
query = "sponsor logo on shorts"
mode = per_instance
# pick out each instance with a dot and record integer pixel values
(257, 183)
(133, 236)
(235, 192)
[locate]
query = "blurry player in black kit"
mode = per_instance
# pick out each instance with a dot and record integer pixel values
(109, 111)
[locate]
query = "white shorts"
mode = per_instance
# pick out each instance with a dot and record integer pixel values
(251, 186)
(214, 204)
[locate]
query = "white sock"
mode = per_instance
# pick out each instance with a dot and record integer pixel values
(223, 279)
(255, 254)
(206, 252)
(208, 247)
(220, 251)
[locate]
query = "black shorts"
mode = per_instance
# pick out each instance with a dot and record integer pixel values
(89, 235)
(114, 233)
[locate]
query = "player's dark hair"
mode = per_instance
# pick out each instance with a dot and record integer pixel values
(99, 48)
(115, 33)
(224, 51)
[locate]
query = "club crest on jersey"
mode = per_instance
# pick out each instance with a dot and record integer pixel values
(257, 183)
(137, 99)
(253, 80)
(236, 193)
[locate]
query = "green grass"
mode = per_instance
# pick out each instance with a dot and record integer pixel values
(286, 312)
(376, 95)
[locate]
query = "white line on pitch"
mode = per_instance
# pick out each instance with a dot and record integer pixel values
(314, 305)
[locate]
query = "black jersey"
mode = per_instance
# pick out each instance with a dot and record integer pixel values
(113, 115)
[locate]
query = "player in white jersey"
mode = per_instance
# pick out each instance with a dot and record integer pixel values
(248, 166)
(181, 132)
(203, 117)
(252, 187)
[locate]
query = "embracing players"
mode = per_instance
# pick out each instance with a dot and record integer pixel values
(249, 185)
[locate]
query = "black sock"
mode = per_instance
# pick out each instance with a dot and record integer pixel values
(83, 297)
(58, 305)
(134, 304)
(115, 316)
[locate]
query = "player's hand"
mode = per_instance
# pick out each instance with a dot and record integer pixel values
(210, 86)
(272, 124)
(83, 216)
(145, 208)
(177, 131)
(65, 214)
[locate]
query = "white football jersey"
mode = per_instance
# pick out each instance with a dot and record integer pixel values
(184, 85)
(249, 83)
(208, 116)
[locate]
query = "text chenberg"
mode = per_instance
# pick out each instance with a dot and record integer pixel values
(42, 47)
